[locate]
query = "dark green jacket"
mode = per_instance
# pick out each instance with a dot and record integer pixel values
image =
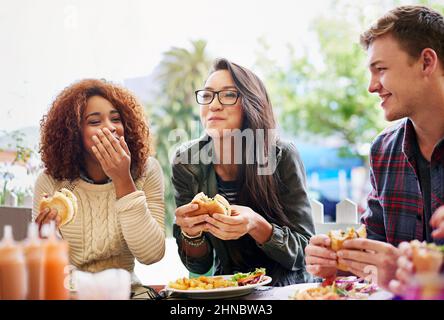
(283, 254)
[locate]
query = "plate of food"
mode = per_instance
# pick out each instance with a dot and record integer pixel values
(341, 288)
(218, 287)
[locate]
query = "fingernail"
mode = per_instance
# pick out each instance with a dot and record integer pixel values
(333, 255)
(340, 254)
(194, 206)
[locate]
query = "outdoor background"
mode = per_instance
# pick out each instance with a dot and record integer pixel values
(307, 53)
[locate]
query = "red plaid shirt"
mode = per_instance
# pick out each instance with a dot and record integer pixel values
(395, 205)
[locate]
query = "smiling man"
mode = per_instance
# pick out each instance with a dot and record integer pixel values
(406, 60)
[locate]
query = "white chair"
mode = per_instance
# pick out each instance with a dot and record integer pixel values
(346, 216)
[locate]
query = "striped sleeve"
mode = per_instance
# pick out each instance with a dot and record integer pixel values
(142, 217)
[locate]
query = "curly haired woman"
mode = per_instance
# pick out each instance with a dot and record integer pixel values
(95, 142)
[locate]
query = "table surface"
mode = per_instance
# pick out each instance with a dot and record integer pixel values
(271, 293)
(259, 293)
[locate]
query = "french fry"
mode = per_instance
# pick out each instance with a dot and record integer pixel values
(202, 283)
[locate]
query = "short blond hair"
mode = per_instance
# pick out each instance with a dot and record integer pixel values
(415, 28)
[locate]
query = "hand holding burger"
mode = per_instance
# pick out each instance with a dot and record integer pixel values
(320, 253)
(337, 238)
(191, 217)
(417, 258)
(224, 221)
(61, 207)
(210, 206)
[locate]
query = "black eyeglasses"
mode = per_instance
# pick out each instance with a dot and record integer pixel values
(225, 97)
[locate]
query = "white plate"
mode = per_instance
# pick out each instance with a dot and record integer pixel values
(219, 293)
(285, 293)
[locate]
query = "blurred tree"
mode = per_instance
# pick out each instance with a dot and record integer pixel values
(322, 91)
(22, 155)
(325, 93)
(435, 4)
(175, 113)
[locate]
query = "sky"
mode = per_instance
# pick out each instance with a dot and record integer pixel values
(46, 45)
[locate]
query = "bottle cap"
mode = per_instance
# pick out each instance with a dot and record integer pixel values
(7, 234)
(33, 231)
(45, 231)
(52, 229)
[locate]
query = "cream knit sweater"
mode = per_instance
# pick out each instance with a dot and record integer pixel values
(108, 233)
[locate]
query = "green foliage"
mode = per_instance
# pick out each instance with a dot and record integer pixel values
(22, 156)
(22, 153)
(322, 91)
(182, 72)
(326, 94)
(438, 5)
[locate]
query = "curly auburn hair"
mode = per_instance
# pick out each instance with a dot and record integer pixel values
(61, 145)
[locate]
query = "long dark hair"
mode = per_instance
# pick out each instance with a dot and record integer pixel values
(260, 192)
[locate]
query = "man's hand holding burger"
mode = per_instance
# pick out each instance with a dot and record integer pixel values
(320, 258)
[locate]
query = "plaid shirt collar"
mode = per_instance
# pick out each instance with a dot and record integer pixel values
(409, 140)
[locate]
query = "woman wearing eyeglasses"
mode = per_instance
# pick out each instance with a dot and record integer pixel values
(262, 177)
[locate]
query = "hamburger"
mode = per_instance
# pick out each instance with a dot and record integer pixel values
(64, 201)
(208, 205)
(426, 257)
(337, 238)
